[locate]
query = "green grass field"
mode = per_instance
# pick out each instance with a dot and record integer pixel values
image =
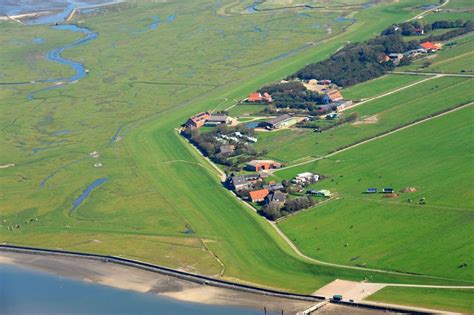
(378, 86)
(440, 299)
(393, 233)
(389, 112)
(456, 58)
(245, 110)
(162, 202)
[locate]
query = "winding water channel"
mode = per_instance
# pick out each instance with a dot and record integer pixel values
(55, 56)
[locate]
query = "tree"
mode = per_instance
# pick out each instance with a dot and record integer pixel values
(271, 211)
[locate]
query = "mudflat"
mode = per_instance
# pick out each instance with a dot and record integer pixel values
(128, 278)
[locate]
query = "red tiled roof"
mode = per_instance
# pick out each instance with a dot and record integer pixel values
(257, 97)
(429, 45)
(335, 95)
(253, 97)
(258, 195)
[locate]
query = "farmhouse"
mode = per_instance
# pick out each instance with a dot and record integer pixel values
(333, 95)
(274, 186)
(371, 190)
(276, 197)
(315, 86)
(241, 182)
(215, 120)
(431, 47)
(258, 165)
(388, 190)
(279, 122)
(207, 119)
(198, 120)
(258, 195)
(419, 31)
(258, 97)
(340, 105)
(396, 58)
(324, 108)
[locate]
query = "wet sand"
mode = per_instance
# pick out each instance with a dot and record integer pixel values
(149, 282)
(129, 278)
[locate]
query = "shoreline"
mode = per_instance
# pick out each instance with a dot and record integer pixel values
(39, 13)
(148, 282)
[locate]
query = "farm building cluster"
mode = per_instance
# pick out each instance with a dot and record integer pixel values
(282, 198)
(208, 119)
(227, 144)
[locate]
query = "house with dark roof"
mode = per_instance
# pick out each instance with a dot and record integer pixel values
(276, 197)
(242, 182)
(274, 186)
(279, 122)
(219, 119)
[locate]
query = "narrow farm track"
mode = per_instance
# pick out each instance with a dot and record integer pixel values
(421, 15)
(324, 263)
(437, 74)
(374, 138)
(391, 92)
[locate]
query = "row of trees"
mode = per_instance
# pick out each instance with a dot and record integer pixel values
(467, 28)
(360, 62)
(211, 147)
(413, 27)
(357, 62)
(293, 95)
(274, 210)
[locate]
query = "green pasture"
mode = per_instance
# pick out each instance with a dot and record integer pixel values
(245, 110)
(392, 233)
(456, 55)
(441, 299)
(162, 202)
(387, 113)
(378, 86)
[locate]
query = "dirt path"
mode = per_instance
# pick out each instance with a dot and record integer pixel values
(373, 138)
(391, 92)
(319, 262)
(435, 74)
(451, 59)
(7, 165)
(419, 16)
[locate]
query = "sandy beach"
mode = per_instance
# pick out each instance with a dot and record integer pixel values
(149, 282)
(129, 278)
